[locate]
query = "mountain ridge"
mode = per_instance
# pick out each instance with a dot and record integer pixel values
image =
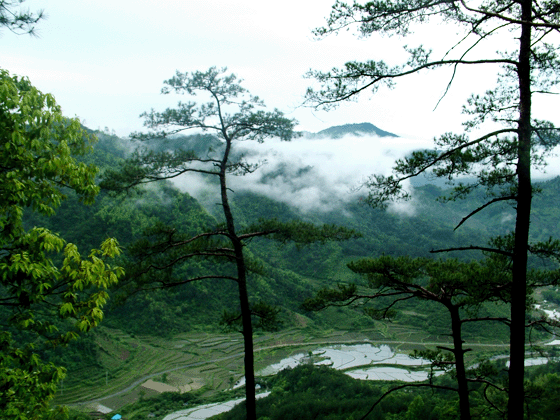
(339, 131)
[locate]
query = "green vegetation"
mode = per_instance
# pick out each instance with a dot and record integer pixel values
(147, 324)
(240, 264)
(311, 392)
(308, 392)
(460, 288)
(50, 293)
(499, 159)
(232, 115)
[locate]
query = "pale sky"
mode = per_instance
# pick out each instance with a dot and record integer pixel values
(105, 62)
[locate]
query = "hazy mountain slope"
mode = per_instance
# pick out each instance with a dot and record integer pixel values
(288, 275)
(340, 131)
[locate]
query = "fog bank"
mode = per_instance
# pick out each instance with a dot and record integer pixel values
(311, 174)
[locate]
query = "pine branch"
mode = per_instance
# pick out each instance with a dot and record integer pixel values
(473, 247)
(464, 219)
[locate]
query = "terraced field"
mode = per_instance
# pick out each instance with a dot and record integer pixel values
(212, 362)
(123, 359)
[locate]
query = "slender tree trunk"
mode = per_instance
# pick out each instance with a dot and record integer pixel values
(248, 342)
(459, 353)
(249, 362)
(524, 195)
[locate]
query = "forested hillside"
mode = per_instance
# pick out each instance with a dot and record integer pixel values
(283, 275)
(287, 274)
(217, 253)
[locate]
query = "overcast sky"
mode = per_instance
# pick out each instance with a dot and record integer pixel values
(105, 60)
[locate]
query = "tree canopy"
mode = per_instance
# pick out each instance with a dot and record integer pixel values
(462, 288)
(19, 21)
(231, 115)
(500, 159)
(45, 283)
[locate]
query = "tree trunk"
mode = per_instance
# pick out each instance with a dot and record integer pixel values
(248, 342)
(524, 195)
(243, 293)
(459, 353)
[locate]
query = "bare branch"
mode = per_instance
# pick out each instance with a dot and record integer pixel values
(464, 219)
(494, 406)
(181, 282)
(451, 151)
(487, 318)
(475, 248)
(455, 67)
(217, 254)
(209, 277)
(376, 78)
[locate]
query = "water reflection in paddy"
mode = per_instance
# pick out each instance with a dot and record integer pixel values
(359, 361)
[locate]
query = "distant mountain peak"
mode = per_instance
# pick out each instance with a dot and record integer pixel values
(339, 131)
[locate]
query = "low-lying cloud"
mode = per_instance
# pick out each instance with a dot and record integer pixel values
(318, 174)
(312, 174)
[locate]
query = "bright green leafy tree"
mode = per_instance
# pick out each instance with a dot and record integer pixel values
(47, 288)
(500, 160)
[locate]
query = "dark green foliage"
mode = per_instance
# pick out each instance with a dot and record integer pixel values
(50, 294)
(543, 391)
(289, 275)
(282, 276)
(318, 392)
(77, 415)
(265, 317)
(18, 20)
(459, 290)
(301, 233)
(551, 296)
(232, 115)
(498, 160)
(27, 383)
(311, 392)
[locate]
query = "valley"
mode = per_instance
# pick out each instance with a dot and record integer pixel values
(144, 366)
(160, 348)
(234, 257)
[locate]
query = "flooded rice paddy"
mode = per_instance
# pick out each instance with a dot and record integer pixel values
(361, 361)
